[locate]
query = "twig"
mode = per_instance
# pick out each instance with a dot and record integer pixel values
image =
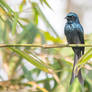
(46, 45)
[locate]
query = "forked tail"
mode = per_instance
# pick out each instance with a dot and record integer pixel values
(75, 72)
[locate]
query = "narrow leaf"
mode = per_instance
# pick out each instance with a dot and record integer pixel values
(47, 4)
(27, 73)
(35, 5)
(30, 59)
(75, 87)
(22, 5)
(14, 24)
(87, 56)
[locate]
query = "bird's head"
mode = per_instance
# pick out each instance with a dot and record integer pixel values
(72, 17)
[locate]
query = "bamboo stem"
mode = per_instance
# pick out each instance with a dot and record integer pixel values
(46, 45)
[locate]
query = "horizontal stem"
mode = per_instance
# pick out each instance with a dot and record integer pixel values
(46, 45)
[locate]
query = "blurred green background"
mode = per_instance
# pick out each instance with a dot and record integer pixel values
(33, 69)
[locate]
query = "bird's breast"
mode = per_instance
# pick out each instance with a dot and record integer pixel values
(71, 32)
(70, 28)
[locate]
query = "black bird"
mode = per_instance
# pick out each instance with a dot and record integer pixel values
(75, 35)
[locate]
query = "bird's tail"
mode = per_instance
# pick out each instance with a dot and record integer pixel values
(75, 72)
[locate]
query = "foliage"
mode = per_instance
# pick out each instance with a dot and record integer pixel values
(54, 64)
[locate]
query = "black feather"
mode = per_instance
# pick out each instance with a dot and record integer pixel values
(75, 35)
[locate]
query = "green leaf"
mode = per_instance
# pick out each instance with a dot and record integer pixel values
(88, 85)
(75, 87)
(31, 59)
(27, 73)
(43, 40)
(1, 33)
(36, 71)
(28, 34)
(6, 30)
(9, 12)
(35, 5)
(14, 24)
(50, 37)
(41, 1)
(47, 85)
(87, 56)
(35, 17)
(89, 74)
(45, 1)
(6, 7)
(22, 5)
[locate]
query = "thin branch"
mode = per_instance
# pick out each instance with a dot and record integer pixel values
(46, 45)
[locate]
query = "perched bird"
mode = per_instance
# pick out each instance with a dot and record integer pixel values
(75, 35)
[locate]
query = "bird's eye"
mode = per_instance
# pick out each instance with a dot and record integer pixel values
(72, 16)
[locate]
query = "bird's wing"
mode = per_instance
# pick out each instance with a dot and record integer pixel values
(81, 36)
(80, 33)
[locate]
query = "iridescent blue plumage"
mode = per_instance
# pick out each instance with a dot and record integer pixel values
(75, 35)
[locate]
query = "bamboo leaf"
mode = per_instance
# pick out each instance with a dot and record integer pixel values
(87, 56)
(22, 5)
(75, 87)
(41, 1)
(35, 5)
(88, 85)
(35, 16)
(45, 1)
(2, 3)
(9, 12)
(14, 24)
(27, 73)
(50, 37)
(31, 59)
(28, 34)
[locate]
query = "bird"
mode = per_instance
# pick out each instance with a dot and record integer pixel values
(74, 33)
